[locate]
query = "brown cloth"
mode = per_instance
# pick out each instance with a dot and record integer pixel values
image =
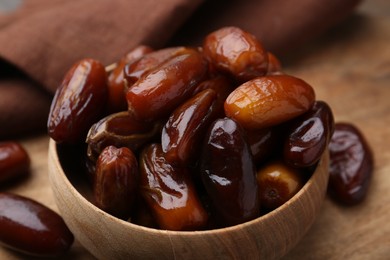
(43, 38)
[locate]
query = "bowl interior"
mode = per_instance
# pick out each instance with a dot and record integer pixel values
(270, 236)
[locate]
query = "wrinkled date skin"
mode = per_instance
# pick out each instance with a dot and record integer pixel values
(158, 93)
(351, 165)
(269, 100)
(116, 86)
(120, 130)
(309, 136)
(277, 184)
(31, 228)
(78, 102)
(184, 131)
(228, 173)
(116, 181)
(169, 192)
(14, 161)
(236, 52)
(133, 71)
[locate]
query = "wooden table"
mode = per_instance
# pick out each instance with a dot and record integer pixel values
(350, 69)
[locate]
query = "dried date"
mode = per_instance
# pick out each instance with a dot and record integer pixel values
(169, 192)
(351, 165)
(309, 136)
(32, 228)
(78, 102)
(269, 100)
(183, 133)
(228, 173)
(236, 52)
(156, 94)
(116, 181)
(14, 161)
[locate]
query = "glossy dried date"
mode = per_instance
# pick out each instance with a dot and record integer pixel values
(14, 161)
(228, 173)
(156, 94)
(277, 184)
(264, 143)
(169, 192)
(309, 136)
(116, 181)
(236, 52)
(78, 102)
(269, 100)
(31, 228)
(135, 70)
(351, 164)
(116, 86)
(183, 133)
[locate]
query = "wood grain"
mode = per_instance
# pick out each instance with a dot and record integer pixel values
(350, 69)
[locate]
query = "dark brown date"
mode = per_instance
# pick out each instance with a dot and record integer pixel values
(78, 102)
(351, 165)
(264, 143)
(169, 192)
(277, 184)
(133, 71)
(116, 86)
(14, 161)
(120, 130)
(236, 52)
(228, 173)
(156, 94)
(309, 136)
(116, 181)
(183, 133)
(31, 228)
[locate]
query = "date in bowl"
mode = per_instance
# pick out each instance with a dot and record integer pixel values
(270, 236)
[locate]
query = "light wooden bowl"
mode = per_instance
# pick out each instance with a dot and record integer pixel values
(268, 237)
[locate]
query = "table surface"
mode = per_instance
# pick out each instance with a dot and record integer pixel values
(350, 69)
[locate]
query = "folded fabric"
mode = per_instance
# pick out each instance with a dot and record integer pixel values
(43, 38)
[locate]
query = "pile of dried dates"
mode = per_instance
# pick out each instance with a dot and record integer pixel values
(187, 138)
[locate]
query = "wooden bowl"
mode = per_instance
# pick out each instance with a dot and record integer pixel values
(268, 237)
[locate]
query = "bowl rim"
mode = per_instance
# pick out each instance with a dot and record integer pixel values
(53, 152)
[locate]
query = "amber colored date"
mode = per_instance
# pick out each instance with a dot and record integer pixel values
(133, 71)
(309, 136)
(236, 52)
(351, 165)
(277, 184)
(116, 181)
(78, 102)
(228, 173)
(156, 94)
(269, 100)
(116, 86)
(14, 161)
(169, 192)
(183, 133)
(31, 228)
